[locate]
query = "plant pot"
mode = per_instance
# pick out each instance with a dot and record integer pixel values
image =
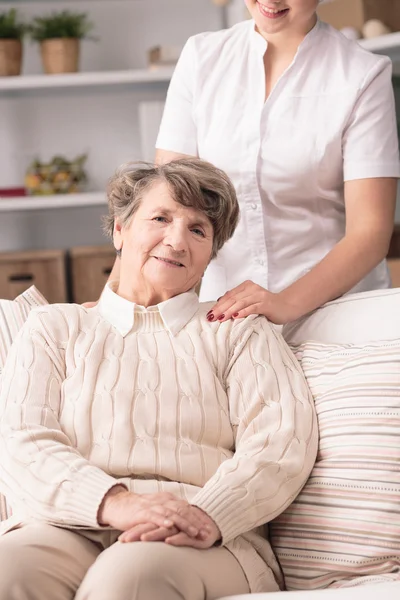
(10, 57)
(60, 55)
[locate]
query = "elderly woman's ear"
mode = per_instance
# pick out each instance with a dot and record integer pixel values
(117, 237)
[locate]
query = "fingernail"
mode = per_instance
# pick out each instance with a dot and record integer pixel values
(221, 317)
(209, 313)
(210, 317)
(235, 315)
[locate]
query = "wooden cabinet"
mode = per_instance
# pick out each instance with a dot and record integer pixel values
(45, 269)
(394, 268)
(90, 268)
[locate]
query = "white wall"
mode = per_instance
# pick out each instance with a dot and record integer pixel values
(102, 121)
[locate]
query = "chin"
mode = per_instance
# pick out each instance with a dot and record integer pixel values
(168, 287)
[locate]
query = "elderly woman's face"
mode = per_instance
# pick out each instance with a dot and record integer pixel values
(276, 16)
(166, 247)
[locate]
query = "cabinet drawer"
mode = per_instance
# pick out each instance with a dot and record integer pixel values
(44, 269)
(90, 269)
(394, 269)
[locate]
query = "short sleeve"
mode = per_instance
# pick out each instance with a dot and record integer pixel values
(370, 142)
(178, 132)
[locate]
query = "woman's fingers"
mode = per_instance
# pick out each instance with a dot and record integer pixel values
(181, 539)
(183, 518)
(186, 518)
(238, 308)
(134, 534)
(206, 540)
(144, 516)
(147, 533)
(234, 301)
(197, 517)
(185, 524)
(164, 512)
(159, 535)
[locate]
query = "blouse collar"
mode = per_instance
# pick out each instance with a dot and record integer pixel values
(175, 312)
(261, 44)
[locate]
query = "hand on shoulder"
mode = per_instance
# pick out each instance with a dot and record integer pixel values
(249, 298)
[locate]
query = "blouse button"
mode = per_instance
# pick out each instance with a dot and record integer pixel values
(254, 206)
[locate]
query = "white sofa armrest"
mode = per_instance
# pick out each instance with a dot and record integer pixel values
(378, 591)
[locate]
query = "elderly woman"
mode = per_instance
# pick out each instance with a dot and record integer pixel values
(142, 446)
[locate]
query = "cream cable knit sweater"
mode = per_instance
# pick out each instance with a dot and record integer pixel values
(219, 414)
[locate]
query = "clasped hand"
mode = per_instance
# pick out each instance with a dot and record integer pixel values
(159, 517)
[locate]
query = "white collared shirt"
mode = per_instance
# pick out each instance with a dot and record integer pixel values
(329, 119)
(174, 313)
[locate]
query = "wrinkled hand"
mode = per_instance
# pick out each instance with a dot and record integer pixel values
(249, 298)
(126, 511)
(207, 536)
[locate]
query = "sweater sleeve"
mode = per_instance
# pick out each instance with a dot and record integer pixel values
(273, 416)
(40, 471)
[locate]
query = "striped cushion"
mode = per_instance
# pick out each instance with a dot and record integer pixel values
(13, 315)
(344, 527)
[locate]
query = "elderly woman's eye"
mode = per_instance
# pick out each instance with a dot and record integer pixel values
(198, 232)
(160, 219)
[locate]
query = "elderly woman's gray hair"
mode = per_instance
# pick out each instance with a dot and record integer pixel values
(192, 182)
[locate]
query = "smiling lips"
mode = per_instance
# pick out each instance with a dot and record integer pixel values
(272, 13)
(169, 262)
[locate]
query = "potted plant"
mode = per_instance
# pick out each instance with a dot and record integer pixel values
(12, 31)
(57, 176)
(59, 35)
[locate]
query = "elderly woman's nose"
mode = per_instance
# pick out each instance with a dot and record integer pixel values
(176, 237)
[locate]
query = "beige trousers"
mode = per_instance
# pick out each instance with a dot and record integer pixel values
(42, 562)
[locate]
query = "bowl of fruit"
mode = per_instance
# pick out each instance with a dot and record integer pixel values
(59, 176)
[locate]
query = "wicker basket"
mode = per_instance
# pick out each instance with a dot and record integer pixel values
(10, 57)
(60, 55)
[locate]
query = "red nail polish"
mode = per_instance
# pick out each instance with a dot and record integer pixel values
(235, 315)
(221, 317)
(210, 317)
(209, 313)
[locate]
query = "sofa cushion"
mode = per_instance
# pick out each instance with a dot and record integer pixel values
(13, 314)
(352, 319)
(344, 527)
(386, 591)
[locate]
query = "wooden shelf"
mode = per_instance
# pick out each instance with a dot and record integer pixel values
(135, 76)
(385, 44)
(26, 203)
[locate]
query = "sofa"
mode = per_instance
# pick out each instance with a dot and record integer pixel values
(340, 538)
(382, 591)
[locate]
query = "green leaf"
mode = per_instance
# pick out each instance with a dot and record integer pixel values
(11, 28)
(65, 24)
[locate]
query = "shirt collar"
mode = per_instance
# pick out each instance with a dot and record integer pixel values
(175, 312)
(261, 44)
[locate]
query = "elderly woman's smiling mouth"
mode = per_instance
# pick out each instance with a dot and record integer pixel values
(168, 262)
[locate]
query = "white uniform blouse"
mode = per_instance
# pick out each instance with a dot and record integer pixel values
(329, 119)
